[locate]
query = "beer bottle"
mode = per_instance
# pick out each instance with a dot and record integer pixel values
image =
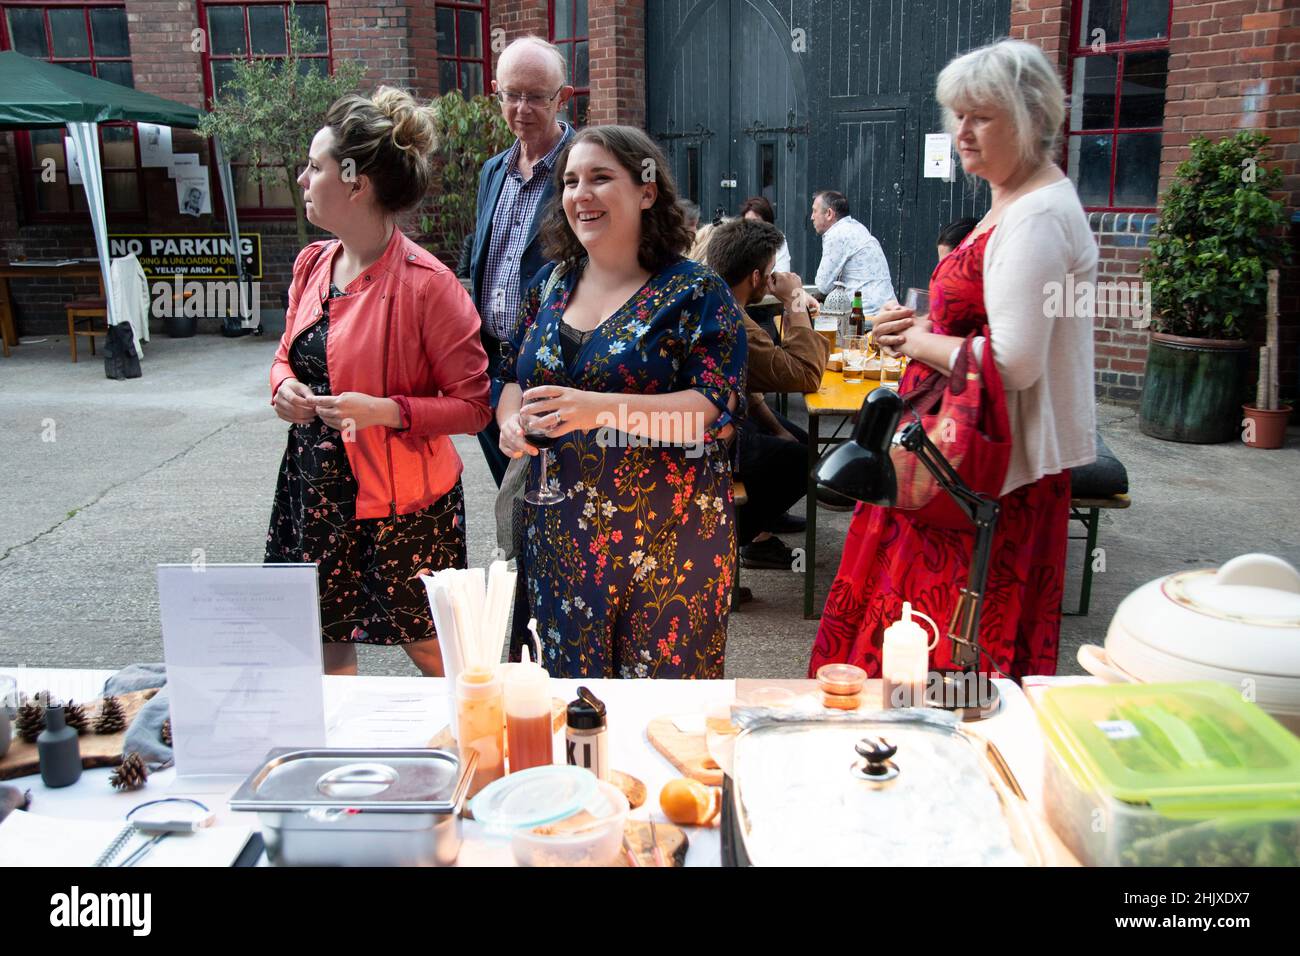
(858, 322)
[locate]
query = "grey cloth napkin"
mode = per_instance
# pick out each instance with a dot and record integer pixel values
(11, 798)
(144, 736)
(136, 677)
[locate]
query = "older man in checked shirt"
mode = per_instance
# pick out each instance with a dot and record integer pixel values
(513, 190)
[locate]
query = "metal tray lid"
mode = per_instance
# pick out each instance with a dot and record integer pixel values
(392, 780)
(802, 795)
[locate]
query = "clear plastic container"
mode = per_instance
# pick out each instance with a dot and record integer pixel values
(555, 816)
(1170, 775)
(592, 837)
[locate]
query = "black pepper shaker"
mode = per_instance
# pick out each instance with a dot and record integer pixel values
(586, 738)
(59, 750)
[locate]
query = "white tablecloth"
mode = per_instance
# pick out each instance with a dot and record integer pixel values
(632, 705)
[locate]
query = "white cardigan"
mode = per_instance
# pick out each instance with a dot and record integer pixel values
(1041, 323)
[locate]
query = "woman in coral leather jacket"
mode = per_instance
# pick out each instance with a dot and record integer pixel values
(379, 365)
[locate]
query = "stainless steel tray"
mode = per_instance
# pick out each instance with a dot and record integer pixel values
(359, 807)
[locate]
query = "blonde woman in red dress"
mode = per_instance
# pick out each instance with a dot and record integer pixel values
(1004, 106)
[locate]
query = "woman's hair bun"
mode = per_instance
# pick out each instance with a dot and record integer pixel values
(413, 126)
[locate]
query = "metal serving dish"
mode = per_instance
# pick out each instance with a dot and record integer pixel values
(895, 788)
(359, 807)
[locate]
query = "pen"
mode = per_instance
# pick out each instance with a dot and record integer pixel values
(143, 851)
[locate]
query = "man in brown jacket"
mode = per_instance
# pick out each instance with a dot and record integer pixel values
(773, 450)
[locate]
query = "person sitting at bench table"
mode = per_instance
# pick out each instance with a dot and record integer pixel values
(773, 450)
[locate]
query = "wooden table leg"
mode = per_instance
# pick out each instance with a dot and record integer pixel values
(8, 333)
(810, 525)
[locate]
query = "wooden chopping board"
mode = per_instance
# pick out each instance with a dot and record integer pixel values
(672, 841)
(685, 751)
(97, 750)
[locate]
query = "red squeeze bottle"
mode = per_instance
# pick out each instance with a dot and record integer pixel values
(529, 737)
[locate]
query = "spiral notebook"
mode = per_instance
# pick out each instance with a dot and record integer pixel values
(30, 839)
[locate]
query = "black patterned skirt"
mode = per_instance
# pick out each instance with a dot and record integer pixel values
(368, 569)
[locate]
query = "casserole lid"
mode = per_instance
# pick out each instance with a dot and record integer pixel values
(1243, 618)
(363, 779)
(800, 799)
(1191, 750)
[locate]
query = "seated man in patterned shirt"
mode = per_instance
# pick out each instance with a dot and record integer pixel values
(851, 255)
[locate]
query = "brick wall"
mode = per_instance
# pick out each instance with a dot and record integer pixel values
(617, 61)
(1236, 65)
(1233, 65)
(516, 18)
(422, 34)
(1120, 336)
(163, 54)
(376, 36)
(1047, 23)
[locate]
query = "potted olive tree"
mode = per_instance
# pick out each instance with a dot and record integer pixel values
(1218, 237)
(470, 132)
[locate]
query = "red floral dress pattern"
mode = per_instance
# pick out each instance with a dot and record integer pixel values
(631, 574)
(889, 557)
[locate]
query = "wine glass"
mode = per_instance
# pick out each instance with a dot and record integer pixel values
(918, 300)
(536, 435)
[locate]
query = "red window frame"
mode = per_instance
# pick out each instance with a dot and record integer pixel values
(261, 210)
(485, 61)
(571, 42)
(27, 170)
(1081, 48)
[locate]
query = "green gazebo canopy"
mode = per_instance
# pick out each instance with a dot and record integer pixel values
(35, 94)
(39, 95)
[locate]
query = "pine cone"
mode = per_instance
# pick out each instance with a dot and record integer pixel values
(131, 774)
(74, 715)
(30, 722)
(167, 732)
(111, 719)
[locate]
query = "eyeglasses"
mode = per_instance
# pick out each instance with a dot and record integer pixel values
(535, 100)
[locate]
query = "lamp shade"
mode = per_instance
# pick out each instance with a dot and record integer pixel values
(861, 467)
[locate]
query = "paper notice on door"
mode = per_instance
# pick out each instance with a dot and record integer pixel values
(243, 651)
(938, 156)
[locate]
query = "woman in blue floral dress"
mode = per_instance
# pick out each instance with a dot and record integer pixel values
(633, 361)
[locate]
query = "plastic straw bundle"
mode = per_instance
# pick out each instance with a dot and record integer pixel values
(470, 613)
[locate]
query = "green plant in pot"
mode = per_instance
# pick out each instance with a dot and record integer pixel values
(1218, 238)
(470, 132)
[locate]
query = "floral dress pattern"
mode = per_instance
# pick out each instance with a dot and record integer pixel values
(890, 557)
(367, 570)
(631, 575)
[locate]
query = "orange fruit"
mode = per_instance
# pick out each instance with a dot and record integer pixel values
(688, 802)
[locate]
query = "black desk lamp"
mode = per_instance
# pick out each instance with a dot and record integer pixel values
(862, 469)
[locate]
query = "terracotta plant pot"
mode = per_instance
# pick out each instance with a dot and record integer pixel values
(1267, 426)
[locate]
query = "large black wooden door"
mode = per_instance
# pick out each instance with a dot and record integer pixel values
(689, 106)
(726, 106)
(785, 98)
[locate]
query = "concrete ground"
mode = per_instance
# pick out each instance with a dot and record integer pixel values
(104, 479)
